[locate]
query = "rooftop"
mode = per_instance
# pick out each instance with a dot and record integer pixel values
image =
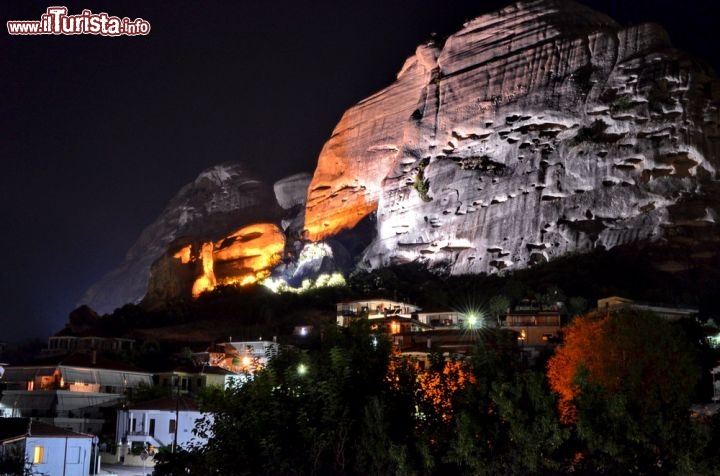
(12, 428)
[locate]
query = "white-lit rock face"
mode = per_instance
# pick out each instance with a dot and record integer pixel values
(292, 191)
(536, 131)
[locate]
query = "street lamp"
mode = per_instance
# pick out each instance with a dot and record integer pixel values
(302, 369)
(472, 321)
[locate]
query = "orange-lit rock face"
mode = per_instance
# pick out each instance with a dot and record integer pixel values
(207, 281)
(242, 258)
(347, 182)
(184, 255)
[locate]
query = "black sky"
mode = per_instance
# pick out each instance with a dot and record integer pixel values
(98, 133)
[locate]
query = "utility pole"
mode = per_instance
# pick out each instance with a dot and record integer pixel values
(177, 413)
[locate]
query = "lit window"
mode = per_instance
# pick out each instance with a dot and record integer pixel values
(38, 455)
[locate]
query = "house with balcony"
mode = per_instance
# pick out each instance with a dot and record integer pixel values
(190, 379)
(385, 316)
(66, 344)
(535, 327)
(239, 357)
(373, 309)
(72, 392)
(147, 426)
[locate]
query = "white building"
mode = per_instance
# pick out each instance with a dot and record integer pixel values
(163, 422)
(50, 450)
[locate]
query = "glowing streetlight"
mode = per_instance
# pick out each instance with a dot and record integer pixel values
(472, 321)
(302, 369)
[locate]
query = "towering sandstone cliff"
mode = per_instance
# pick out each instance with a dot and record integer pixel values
(536, 131)
(539, 130)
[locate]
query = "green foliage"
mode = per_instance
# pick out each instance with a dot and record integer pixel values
(421, 185)
(577, 305)
(350, 414)
(13, 462)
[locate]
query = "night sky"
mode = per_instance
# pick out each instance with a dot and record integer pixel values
(98, 133)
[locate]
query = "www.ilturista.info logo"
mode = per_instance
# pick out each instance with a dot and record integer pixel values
(56, 21)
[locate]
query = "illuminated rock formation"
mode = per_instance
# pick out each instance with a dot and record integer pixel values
(219, 201)
(536, 131)
(242, 258)
(364, 146)
(291, 193)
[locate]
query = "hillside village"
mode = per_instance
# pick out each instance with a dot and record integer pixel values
(78, 387)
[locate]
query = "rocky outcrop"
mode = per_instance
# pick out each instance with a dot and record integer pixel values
(291, 193)
(347, 183)
(218, 202)
(539, 130)
(244, 257)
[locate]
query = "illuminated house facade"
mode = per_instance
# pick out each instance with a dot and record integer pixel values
(164, 422)
(384, 315)
(534, 327)
(240, 359)
(49, 450)
(70, 392)
(443, 319)
(373, 309)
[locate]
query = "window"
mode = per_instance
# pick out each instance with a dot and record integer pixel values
(171, 426)
(38, 455)
(152, 427)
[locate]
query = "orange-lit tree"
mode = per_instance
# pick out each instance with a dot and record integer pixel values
(624, 383)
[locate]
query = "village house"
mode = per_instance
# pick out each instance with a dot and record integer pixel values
(147, 426)
(72, 391)
(535, 327)
(190, 379)
(614, 303)
(65, 344)
(48, 449)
